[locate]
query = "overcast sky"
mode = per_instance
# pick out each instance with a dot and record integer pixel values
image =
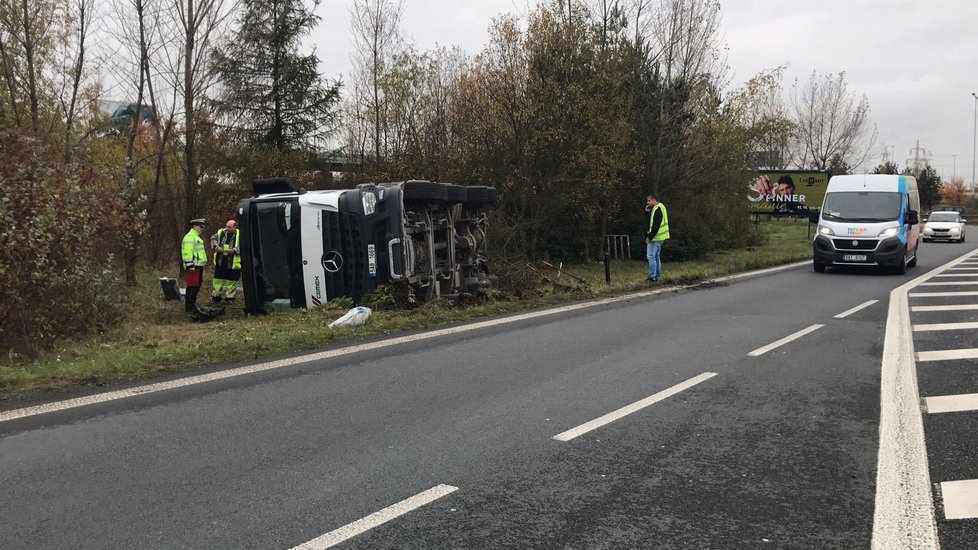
(916, 61)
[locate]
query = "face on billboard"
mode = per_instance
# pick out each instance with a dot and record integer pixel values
(793, 187)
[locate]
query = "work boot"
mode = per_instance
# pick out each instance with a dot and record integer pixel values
(216, 299)
(230, 301)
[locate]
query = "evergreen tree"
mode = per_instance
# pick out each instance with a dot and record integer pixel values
(272, 95)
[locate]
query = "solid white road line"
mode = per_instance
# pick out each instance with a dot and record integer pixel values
(948, 354)
(319, 356)
(951, 283)
(954, 307)
(943, 294)
(849, 312)
(945, 326)
(960, 499)
(785, 340)
(971, 268)
(951, 403)
(957, 275)
(376, 519)
(634, 407)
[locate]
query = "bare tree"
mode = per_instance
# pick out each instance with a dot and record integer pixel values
(200, 22)
(26, 28)
(377, 35)
(83, 13)
(831, 121)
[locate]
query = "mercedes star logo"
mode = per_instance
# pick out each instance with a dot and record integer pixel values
(332, 261)
(854, 243)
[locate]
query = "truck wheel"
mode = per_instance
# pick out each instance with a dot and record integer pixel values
(425, 191)
(819, 268)
(477, 195)
(456, 193)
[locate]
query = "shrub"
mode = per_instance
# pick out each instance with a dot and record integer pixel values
(58, 228)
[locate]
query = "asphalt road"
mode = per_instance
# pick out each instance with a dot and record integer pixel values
(765, 448)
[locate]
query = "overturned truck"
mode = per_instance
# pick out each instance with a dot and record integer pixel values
(302, 248)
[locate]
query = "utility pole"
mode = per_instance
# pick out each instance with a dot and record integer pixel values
(974, 139)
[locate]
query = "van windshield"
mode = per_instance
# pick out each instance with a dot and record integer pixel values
(862, 206)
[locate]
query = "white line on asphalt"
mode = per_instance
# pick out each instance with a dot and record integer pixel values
(948, 354)
(903, 515)
(943, 294)
(957, 275)
(329, 354)
(376, 519)
(634, 407)
(960, 499)
(861, 306)
(951, 283)
(972, 268)
(955, 307)
(951, 403)
(785, 340)
(944, 326)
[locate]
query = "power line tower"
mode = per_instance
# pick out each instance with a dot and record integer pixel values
(919, 158)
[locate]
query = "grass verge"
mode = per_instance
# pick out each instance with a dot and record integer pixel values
(158, 338)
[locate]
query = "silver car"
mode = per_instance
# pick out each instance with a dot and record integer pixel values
(944, 226)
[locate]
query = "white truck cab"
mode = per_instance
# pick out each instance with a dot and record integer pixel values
(868, 220)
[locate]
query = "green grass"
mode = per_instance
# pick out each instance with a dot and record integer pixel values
(158, 337)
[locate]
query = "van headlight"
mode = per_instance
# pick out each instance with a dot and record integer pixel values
(823, 230)
(889, 232)
(955, 230)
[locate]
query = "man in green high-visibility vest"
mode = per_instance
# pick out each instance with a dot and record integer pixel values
(194, 256)
(657, 234)
(226, 245)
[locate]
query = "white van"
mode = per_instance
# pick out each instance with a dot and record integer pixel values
(869, 220)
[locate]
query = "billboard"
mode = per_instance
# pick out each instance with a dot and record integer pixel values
(788, 191)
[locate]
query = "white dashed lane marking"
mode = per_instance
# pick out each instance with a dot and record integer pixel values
(376, 519)
(860, 307)
(634, 407)
(785, 340)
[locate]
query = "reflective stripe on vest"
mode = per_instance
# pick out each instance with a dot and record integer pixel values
(663, 232)
(192, 250)
(236, 259)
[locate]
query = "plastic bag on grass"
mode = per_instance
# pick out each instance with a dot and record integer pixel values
(355, 316)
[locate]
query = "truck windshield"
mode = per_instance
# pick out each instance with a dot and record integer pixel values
(862, 206)
(276, 252)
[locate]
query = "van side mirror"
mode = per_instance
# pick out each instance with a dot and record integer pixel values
(813, 215)
(964, 220)
(912, 218)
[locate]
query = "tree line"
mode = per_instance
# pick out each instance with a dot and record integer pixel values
(574, 111)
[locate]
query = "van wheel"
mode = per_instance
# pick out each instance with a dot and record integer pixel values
(901, 268)
(819, 268)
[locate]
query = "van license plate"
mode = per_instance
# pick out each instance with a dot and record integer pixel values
(854, 258)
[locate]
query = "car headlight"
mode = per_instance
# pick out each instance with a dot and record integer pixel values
(823, 230)
(889, 232)
(955, 230)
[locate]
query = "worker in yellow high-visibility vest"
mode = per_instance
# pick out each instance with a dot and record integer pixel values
(657, 234)
(194, 256)
(227, 261)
